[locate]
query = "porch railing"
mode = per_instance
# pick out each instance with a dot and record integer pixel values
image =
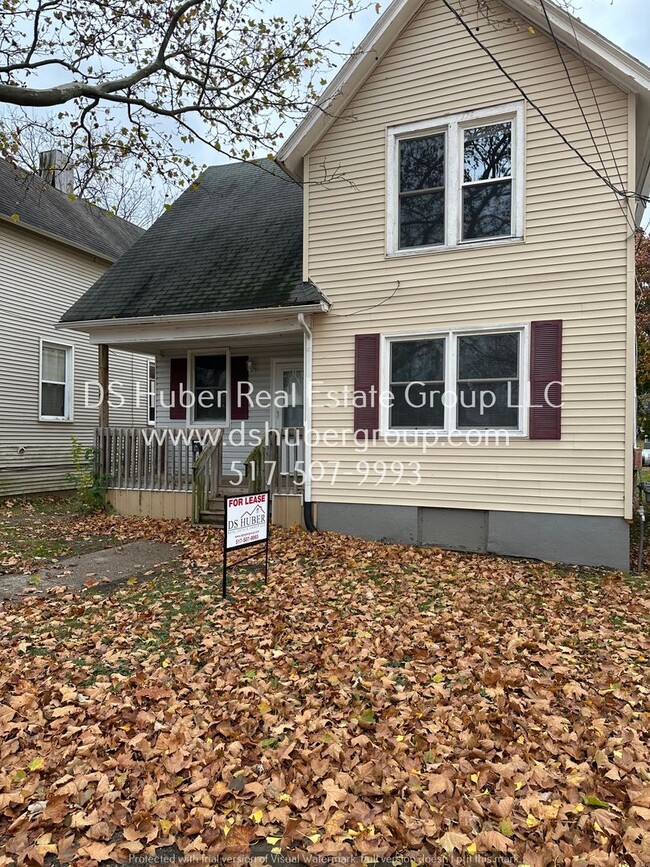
(281, 463)
(177, 459)
(149, 459)
(207, 478)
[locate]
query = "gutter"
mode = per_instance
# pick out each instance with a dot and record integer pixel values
(308, 367)
(188, 318)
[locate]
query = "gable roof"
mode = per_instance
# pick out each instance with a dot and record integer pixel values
(233, 241)
(30, 202)
(617, 65)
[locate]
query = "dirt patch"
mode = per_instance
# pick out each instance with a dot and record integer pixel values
(35, 535)
(109, 566)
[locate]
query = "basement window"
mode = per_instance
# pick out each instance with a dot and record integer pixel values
(55, 399)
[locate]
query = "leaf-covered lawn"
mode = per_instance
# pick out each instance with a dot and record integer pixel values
(38, 532)
(371, 700)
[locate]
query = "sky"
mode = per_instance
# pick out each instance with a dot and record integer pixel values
(625, 22)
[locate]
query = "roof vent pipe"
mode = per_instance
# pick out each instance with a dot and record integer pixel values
(52, 167)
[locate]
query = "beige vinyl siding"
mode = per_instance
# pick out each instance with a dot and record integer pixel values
(39, 280)
(573, 265)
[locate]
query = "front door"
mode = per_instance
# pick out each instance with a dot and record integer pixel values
(289, 394)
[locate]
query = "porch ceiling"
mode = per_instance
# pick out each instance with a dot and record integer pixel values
(284, 342)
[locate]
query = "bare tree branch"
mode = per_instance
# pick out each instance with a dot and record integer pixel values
(146, 77)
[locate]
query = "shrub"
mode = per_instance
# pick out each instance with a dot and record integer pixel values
(89, 483)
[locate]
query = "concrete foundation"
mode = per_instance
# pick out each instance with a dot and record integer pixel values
(577, 539)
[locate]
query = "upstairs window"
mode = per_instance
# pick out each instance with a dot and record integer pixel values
(422, 191)
(487, 181)
(457, 180)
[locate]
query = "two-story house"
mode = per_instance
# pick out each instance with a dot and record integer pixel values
(53, 246)
(440, 308)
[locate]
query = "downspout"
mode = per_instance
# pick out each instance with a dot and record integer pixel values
(308, 511)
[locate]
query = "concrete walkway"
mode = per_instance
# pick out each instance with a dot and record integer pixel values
(110, 566)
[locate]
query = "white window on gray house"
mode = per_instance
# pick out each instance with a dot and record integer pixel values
(210, 376)
(151, 371)
(455, 381)
(456, 180)
(56, 382)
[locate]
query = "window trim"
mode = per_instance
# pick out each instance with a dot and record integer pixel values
(190, 415)
(152, 399)
(453, 126)
(450, 378)
(69, 381)
(279, 365)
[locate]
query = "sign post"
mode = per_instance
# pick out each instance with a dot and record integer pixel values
(246, 523)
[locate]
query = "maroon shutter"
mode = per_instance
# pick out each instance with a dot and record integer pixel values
(177, 384)
(366, 382)
(238, 373)
(545, 380)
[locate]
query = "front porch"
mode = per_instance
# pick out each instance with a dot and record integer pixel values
(179, 472)
(226, 417)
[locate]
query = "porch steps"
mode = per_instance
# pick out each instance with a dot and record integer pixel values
(213, 518)
(214, 513)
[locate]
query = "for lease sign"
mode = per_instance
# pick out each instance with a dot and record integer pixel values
(247, 520)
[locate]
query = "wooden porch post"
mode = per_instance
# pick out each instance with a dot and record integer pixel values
(102, 376)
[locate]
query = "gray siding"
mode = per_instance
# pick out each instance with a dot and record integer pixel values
(39, 280)
(262, 352)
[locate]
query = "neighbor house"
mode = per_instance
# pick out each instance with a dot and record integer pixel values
(53, 246)
(443, 254)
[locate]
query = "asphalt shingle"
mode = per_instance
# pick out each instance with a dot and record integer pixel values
(233, 241)
(30, 200)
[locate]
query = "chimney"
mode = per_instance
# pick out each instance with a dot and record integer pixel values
(52, 167)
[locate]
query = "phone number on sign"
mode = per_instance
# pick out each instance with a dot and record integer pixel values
(330, 472)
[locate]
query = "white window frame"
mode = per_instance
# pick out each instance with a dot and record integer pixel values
(453, 126)
(69, 380)
(152, 402)
(279, 365)
(450, 380)
(191, 411)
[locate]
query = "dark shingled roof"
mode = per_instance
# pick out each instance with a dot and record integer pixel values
(33, 202)
(233, 241)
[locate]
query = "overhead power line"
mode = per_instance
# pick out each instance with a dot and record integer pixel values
(558, 48)
(602, 120)
(626, 194)
(626, 207)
